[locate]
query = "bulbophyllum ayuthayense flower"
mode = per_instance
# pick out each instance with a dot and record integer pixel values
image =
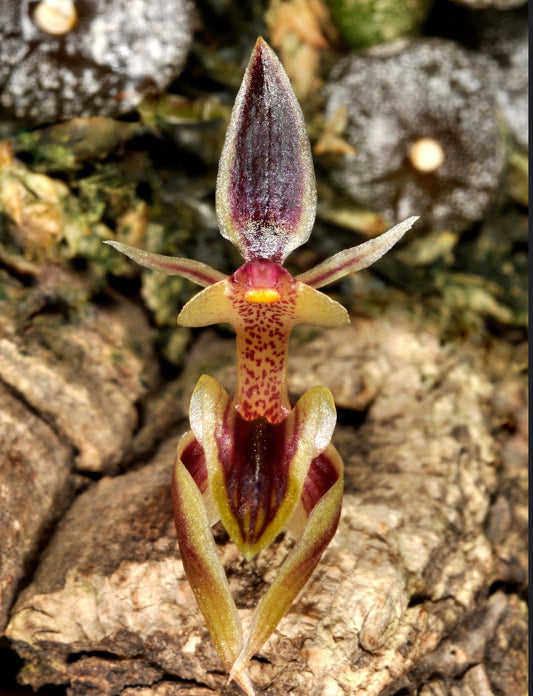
(254, 462)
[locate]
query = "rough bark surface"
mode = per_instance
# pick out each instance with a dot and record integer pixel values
(34, 490)
(420, 592)
(83, 377)
(68, 406)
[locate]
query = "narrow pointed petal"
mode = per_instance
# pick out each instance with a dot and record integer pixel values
(356, 258)
(266, 195)
(303, 559)
(200, 273)
(256, 469)
(201, 563)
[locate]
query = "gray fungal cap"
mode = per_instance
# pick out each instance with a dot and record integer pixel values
(504, 37)
(422, 122)
(100, 60)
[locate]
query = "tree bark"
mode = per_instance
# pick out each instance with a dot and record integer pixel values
(420, 592)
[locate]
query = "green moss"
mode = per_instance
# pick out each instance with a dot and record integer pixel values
(65, 146)
(364, 23)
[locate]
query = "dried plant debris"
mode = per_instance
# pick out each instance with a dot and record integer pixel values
(300, 31)
(76, 193)
(59, 60)
(397, 582)
(489, 275)
(421, 119)
(45, 221)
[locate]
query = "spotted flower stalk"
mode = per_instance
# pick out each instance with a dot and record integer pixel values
(253, 461)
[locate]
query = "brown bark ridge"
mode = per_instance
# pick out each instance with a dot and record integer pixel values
(69, 393)
(83, 377)
(420, 592)
(34, 490)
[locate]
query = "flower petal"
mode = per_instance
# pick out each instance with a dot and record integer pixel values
(266, 194)
(210, 306)
(202, 564)
(200, 273)
(313, 307)
(356, 258)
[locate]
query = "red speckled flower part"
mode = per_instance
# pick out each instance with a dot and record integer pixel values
(263, 330)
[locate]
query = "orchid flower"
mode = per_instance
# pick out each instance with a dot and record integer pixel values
(253, 461)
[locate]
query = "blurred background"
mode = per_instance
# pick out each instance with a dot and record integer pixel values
(113, 115)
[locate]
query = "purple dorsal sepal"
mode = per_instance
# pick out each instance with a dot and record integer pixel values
(266, 194)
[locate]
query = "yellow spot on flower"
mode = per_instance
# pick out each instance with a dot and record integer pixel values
(266, 295)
